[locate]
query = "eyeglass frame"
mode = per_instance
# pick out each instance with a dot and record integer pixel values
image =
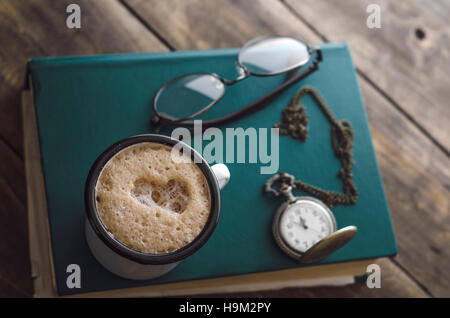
(161, 119)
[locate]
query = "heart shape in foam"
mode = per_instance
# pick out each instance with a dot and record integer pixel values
(172, 196)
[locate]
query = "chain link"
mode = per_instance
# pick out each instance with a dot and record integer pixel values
(294, 122)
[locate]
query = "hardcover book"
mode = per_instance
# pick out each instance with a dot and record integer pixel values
(75, 107)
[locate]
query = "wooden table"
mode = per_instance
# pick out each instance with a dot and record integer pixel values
(403, 70)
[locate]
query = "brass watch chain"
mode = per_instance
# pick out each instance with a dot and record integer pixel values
(294, 122)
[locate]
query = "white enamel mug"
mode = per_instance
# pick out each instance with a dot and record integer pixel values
(132, 264)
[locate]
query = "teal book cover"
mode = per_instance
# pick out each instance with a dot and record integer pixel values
(85, 104)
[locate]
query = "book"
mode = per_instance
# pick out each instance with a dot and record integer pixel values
(75, 107)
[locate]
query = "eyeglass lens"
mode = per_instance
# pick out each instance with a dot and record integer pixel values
(189, 94)
(273, 55)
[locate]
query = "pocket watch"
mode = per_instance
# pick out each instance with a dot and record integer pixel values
(304, 227)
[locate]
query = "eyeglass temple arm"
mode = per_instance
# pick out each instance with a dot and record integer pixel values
(263, 101)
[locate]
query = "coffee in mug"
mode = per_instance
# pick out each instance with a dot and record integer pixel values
(151, 202)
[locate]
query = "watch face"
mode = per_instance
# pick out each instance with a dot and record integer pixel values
(304, 223)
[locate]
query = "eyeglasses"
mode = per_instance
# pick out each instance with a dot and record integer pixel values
(263, 56)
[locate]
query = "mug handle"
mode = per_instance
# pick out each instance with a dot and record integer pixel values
(222, 174)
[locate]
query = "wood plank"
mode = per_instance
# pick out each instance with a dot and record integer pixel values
(15, 273)
(9, 291)
(415, 174)
(15, 263)
(266, 27)
(196, 24)
(412, 69)
(38, 28)
(15, 266)
(415, 170)
(394, 283)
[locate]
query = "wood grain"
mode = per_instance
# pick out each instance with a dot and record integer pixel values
(32, 28)
(416, 175)
(9, 291)
(14, 256)
(415, 170)
(38, 28)
(412, 70)
(196, 24)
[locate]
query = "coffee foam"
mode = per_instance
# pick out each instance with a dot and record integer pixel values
(149, 202)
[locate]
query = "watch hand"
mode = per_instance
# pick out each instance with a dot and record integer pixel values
(305, 226)
(299, 224)
(314, 230)
(303, 223)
